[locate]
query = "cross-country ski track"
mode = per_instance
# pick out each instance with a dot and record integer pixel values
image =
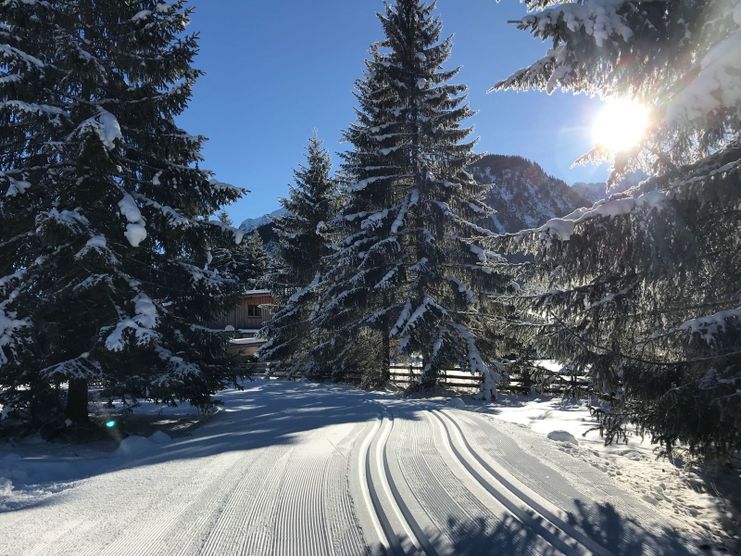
(298, 468)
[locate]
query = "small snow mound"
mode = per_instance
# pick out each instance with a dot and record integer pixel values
(457, 402)
(562, 436)
(634, 455)
(160, 437)
(134, 446)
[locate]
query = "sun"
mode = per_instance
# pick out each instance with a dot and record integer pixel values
(620, 125)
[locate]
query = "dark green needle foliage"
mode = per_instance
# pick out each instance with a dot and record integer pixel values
(104, 240)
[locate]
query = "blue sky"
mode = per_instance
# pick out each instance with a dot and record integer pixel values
(276, 70)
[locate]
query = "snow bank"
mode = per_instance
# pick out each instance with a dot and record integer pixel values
(134, 446)
(674, 491)
(13, 497)
(160, 437)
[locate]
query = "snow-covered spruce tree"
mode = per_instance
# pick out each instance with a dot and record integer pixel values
(644, 289)
(407, 264)
(303, 245)
(247, 262)
(256, 260)
(104, 243)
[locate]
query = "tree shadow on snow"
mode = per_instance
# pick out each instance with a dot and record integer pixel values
(266, 413)
(602, 523)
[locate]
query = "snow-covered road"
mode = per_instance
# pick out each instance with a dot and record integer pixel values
(293, 468)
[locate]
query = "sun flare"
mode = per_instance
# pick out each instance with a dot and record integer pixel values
(620, 125)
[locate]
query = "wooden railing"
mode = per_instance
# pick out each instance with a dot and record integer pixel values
(541, 381)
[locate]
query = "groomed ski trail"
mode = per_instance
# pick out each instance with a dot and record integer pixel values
(295, 468)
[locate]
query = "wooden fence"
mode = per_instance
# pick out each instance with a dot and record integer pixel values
(536, 379)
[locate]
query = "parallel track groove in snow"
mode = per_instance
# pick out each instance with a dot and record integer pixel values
(380, 523)
(534, 513)
(439, 492)
(386, 499)
(417, 534)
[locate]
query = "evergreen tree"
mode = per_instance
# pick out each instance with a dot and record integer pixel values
(257, 260)
(408, 264)
(643, 290)
(105, 245)
(303, 245)
(247, 262)
(225, 219)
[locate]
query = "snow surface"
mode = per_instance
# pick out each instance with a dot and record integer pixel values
(672, 491)
(299, 468)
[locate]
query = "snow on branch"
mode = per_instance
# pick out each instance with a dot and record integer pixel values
(70, 219)
(142, 325)
(361, 185)
(16, 187)
(99, 245)
(32, 108)
(175, 219)
(717, 85)
(10, 325)
(105, 125)
(222, 187)
(406, 311)
(11, 53)
(143, 15)
(178, 368)
(428, 304)
(81, 367)
(408, 203)
(563, 228)
(136, 231)
(710, 327)
(599, 19)
(374, 220)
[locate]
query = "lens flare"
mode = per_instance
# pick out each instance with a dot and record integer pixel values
(110, 424)
(620, 125)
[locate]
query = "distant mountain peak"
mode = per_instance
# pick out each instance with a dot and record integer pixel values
(252, 224)
(522, 193)
(591, 191)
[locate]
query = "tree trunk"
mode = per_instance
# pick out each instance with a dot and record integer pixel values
(77, 401)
